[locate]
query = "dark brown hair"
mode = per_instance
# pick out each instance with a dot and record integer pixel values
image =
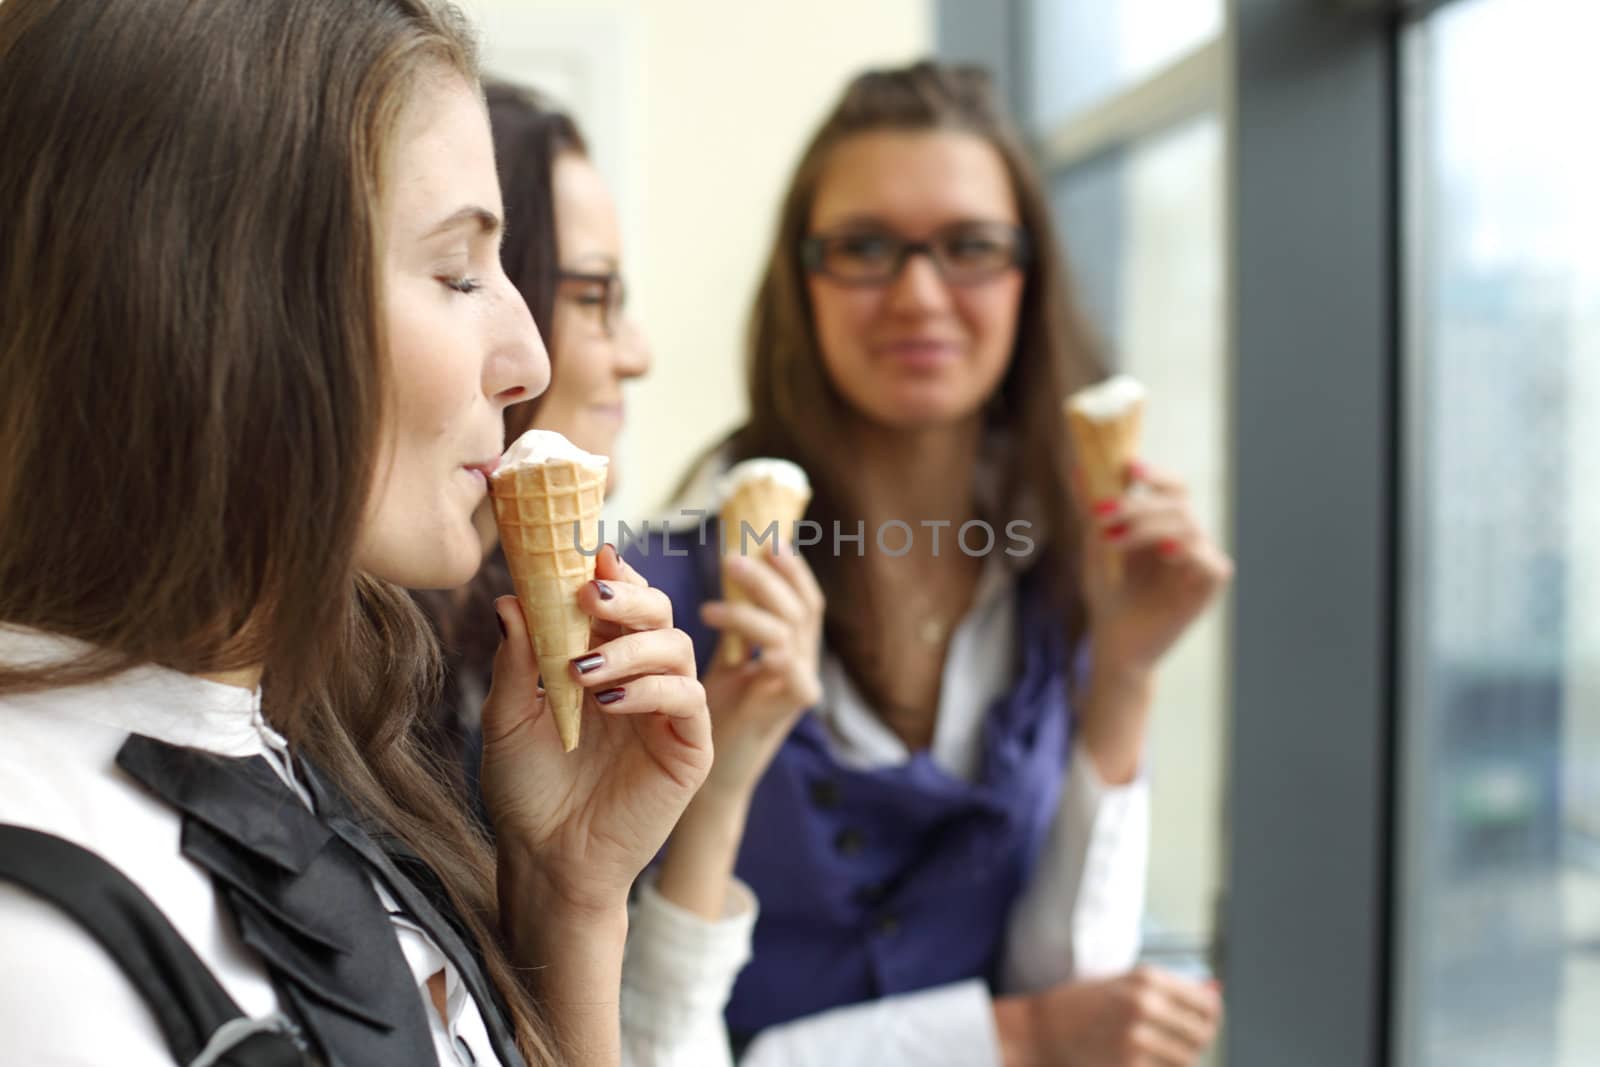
(192, 375)
(796, 413)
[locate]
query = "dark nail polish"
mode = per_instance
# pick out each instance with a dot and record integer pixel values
(603, 589)
(1116, 531)
(609, 696)
(501, 622)
(587, 664)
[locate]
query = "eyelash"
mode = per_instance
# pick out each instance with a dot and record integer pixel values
(462, 284)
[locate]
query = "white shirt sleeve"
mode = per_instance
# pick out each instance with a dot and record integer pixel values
(950, 1026)
(1080, 914)
(63, 1002)
(677, 975)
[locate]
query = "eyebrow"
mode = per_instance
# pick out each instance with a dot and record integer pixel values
(602, 260)
(488, 222)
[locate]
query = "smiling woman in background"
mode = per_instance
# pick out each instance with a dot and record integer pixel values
(950, 847)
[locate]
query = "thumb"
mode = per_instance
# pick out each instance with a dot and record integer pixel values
(515, 696)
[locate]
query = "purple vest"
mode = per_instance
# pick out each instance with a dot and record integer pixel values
(891, 880)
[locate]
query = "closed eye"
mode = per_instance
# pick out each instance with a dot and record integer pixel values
(460, 284)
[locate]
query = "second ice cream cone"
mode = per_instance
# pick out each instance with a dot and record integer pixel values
(759, 497)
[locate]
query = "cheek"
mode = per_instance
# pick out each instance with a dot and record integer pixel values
(434, 381)
(991, 315)
(842, 318)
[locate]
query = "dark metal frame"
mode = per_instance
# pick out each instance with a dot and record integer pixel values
(1316, 391)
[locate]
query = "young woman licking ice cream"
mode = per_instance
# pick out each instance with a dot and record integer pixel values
(280, 400)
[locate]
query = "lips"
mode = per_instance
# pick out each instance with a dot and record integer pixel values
(483, 467)
(919, 351)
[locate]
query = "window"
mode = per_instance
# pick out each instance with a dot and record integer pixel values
(1143, 227)
(1084, 51)
(1500, 870)
(1123, 101)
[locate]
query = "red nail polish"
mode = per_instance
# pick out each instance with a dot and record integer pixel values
(609, 696)
(1116, 530)
(1169, 547)
(1106, 507)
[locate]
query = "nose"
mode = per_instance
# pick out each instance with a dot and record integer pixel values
(634, 354)
(918, 288)
(518, 365)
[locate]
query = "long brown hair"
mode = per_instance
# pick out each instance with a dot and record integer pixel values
(796, 413)
(192, 377)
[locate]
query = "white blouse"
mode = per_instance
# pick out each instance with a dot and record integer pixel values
(1079, 916)
(62, 1000)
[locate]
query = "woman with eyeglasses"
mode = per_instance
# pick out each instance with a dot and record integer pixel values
(563, 252)
(929, 771)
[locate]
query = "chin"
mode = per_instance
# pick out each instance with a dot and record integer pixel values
(922, 412)
(450, 567)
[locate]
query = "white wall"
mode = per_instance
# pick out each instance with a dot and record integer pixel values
(696, 111)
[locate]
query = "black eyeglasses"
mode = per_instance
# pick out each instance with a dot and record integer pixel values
(604, 293)
(965, 253)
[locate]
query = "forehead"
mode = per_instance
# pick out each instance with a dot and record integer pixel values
(914, 180)
(586, 218)
(442, 158)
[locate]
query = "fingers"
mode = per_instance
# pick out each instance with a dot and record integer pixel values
(675, 702)
(759, 628)
(634, 654)
(1160, 519)
(788, 562)
(1178, 1018)
(1159, 1049)
(514, 699)
(619, 605)
(760, 579)
(671, 695)
(1150, 476)
(610, 566)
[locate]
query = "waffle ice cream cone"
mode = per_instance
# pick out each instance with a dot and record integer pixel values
(756, 494)
(547, 496)
(1106, 422)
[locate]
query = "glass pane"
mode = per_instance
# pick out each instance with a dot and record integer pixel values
(1084, 50)
(1143, 229)
(1500, 892)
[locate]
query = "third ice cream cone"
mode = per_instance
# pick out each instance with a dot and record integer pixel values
(1106, 422)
